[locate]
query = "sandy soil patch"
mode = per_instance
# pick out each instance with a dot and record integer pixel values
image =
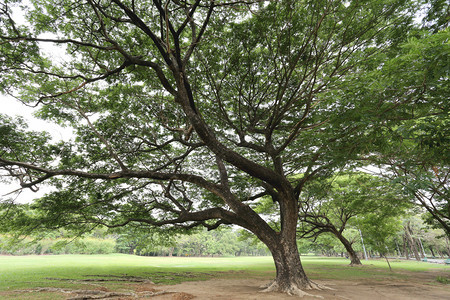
(232, 289)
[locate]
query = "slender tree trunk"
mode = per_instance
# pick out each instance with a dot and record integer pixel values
(420, 247)
(353, 256)
(405, 246)
(432, 252)
(411, 241)
(385, 257)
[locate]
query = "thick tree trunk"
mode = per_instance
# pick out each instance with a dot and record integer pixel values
(291, 277)
(354, 259)
(289, 267)
(414, 250)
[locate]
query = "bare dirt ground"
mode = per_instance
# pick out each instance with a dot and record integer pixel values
(231, 289)
(417, 286)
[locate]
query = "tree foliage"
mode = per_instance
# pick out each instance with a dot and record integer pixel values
(414, 151)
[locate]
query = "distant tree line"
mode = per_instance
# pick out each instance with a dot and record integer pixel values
(225, 242)
(411, 238)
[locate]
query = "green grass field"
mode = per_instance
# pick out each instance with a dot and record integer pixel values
(25, 272)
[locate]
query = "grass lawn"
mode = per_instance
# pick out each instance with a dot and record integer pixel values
(25, 272)
(19, 272)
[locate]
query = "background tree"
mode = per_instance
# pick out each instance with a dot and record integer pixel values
(379, 232)
(331, 206)
(435, 242)
(185, 115)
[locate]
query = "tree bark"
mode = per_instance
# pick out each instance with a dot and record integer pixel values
(291, 277)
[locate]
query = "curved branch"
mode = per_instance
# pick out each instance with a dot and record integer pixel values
(56, 41)
(140, 24)
(200, 34)
(49, 173)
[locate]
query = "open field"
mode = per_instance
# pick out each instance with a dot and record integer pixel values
(127, 277)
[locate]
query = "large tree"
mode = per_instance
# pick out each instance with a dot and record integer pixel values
(186, 113)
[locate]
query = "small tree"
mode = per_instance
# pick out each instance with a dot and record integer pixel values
(379, 232)
(332, 205)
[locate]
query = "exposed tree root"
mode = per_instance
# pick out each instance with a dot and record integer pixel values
(266, 285)
(111, 278)
(294, 290)
(94, 294)
(318, 286)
